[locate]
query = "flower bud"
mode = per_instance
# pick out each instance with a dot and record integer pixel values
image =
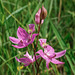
(37, 16)
(43, 13)
(40, 15)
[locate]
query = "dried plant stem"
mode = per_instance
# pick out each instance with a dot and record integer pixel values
(37, 65)
(35, 55)
(40, 61)
(36, 46)
(60, 6)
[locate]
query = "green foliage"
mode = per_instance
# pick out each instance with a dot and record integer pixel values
(59, 34)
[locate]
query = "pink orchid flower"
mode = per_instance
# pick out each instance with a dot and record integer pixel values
(27, 60)
(43, 43)
(24, 39)
(49, 55)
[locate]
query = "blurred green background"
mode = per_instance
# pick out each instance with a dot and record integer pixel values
(58, 28)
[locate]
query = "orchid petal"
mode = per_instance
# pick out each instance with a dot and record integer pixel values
(49, 48)
(28, 56)
(60, 54)
(24, 60)
(32, 39)
(18, 46)
(56, 61)
(47, 64)
(14, 40)
(17, 59)
(42, 40)
(49, 51)
(41, 53)
(42, 21)
(27, 64)
(22, 34)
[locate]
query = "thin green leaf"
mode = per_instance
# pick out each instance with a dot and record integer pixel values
(17, 11)
(8, 65)
(60, 39)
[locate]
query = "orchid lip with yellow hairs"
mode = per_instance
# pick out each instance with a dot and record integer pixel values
(24, 39)
(43, 43)
(31, 28)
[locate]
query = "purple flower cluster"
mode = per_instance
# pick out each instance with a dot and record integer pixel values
(24, 39)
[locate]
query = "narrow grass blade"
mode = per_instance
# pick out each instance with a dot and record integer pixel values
(71, 65)
(60, 39)
(46, 21)
(17, 11)
(10, 59)
(8, 65)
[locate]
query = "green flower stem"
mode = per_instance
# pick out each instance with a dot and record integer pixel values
(33, 69)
